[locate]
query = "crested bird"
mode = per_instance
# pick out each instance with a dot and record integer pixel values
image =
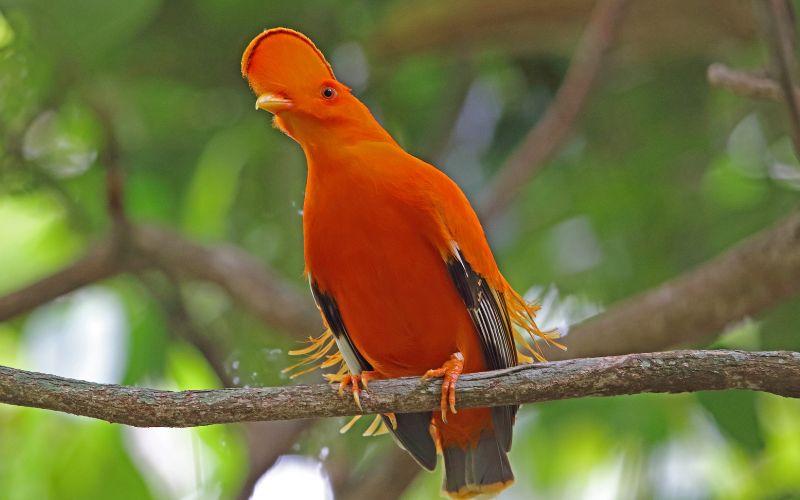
(398, 265)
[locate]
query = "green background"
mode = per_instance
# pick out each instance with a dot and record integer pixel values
(662, 174)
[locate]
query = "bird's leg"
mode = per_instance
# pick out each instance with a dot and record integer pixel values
(449, 372)
(355, 382)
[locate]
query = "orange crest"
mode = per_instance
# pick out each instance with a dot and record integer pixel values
(281, 58)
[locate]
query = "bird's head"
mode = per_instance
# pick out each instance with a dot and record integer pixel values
(293, 81)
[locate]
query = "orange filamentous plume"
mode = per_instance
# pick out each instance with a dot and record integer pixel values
(523, 316)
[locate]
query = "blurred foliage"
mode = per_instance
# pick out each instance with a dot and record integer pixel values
(663, 174)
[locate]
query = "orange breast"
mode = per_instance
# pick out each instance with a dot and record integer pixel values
(398, 303)
(372, 251)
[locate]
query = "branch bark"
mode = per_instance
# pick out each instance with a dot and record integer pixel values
(555, 126)
(777, 372)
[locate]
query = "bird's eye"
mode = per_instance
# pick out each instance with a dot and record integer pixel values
(328, 92)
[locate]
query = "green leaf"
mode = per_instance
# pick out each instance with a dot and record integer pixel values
(214, 184)
(736, 415)
(6, 32)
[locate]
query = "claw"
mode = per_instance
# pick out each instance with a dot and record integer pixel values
(355, 382)
(449, 372)
(392, 420)
(367, 376)
(357, 396)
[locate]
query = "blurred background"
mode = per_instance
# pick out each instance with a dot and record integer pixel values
(661, 173)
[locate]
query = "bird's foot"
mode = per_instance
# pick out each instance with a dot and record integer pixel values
(449, 372)
(356, 382)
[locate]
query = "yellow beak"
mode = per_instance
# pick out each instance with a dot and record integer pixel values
(273, 103)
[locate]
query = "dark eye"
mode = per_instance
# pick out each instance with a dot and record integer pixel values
(328, 92)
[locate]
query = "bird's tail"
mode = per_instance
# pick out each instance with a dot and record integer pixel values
(479, 471)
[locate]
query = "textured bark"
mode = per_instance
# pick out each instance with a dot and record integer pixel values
(667, 372)
(694, 307)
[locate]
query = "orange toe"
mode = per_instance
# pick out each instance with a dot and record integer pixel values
(356, 382)
(449, 372)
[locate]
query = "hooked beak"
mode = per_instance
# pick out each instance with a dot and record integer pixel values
(273, 103)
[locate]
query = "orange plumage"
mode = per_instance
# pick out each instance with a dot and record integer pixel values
(397, 259)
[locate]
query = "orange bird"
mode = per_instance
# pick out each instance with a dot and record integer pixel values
(398, 264)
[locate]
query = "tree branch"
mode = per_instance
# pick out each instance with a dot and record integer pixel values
(692, 308)
(777, 372)
(779, 31)
(555, 127)
(744, 83)
(657, 30)
(100, 262)
(749, 278)
(276, 302)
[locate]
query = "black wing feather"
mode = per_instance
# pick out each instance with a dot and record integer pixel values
(487, 309)
(412, 432)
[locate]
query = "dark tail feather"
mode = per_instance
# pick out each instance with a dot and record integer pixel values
(479, 470)
(412, 433)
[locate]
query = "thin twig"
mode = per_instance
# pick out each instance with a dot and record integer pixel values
(781, 37)
(555, 127)
(775, 372)
(745, 84)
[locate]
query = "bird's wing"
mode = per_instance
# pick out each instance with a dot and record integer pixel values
(483, 289)
(412, 429)
(487, 308)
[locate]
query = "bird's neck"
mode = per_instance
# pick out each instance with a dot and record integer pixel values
(342, 158)
(328, 139)
(336, 145)
(325, 136)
